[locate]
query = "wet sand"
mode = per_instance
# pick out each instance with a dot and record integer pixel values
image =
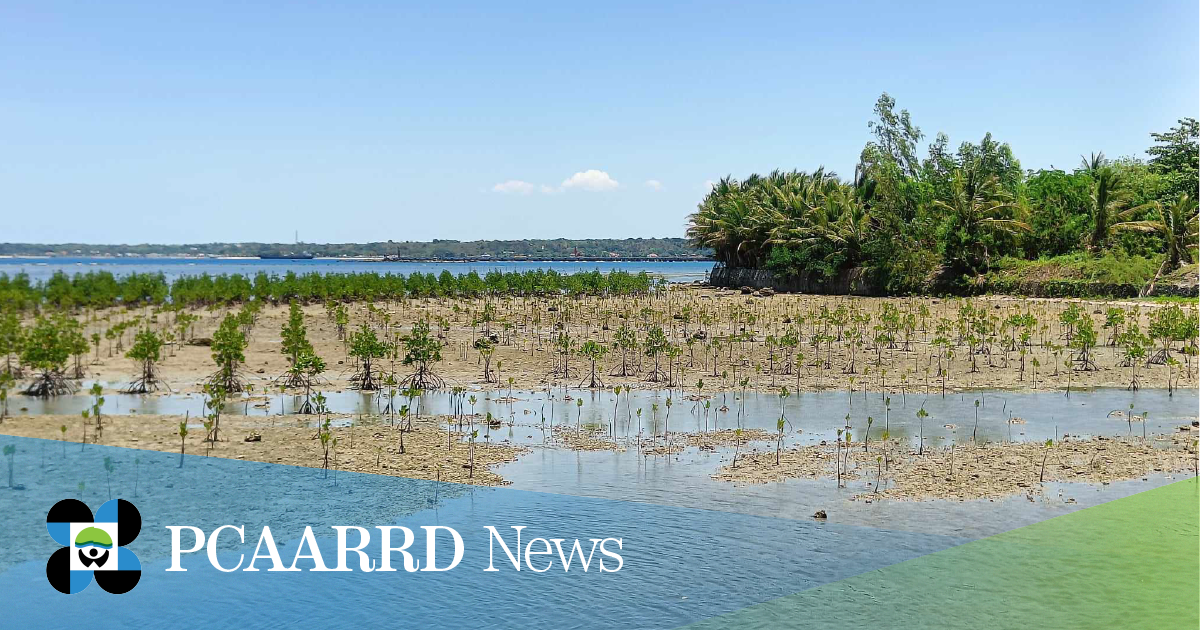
(893, 470)
(368, 448)
(745, 328)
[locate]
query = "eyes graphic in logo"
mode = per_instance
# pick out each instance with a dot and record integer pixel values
(93, 546)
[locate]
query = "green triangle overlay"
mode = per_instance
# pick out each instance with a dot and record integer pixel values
(1129, 563)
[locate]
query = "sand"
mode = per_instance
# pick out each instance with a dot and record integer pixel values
(525, 329)
(745, 357)
(367, 448)
(966, 472)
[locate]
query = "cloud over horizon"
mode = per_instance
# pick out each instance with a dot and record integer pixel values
(591, 180)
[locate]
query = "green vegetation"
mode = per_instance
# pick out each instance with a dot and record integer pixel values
(147, 350)
(102, 289)
(366, 347)
(45, 348)
(422, 351)
(228, 352)
(944, 222)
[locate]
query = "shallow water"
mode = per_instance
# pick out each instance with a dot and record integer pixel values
(730, 560)
(810, 416)
(757, 541)
(43, 268)
(684, 480)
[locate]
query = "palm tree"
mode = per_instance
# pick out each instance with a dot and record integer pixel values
(1176, 224)
(1092, 165)
(725, 222)
(980, 209)
(1108, 198)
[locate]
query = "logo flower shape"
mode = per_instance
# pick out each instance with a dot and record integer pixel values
(93, 547)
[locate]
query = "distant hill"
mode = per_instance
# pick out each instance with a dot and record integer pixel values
(437, 249)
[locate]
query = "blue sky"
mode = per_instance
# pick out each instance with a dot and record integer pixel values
(173, 122)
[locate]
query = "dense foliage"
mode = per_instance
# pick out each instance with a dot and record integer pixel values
(954, 214)
(99, 289)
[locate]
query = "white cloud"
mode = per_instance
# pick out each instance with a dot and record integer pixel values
(514, 186)
(590, 180)
(654, 184)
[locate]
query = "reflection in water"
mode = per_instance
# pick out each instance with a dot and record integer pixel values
(684, 479)
(811, 416)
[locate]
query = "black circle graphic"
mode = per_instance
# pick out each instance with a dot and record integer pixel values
(58, 570)
(75, 511)
(118, 582)
(130, 520)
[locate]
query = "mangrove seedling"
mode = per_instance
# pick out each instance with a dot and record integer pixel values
(737, 444)
(976, 428)
(45, 348)
(183, 431)
(328, 442)
(1042, 475)
(471, 455)
(593, 352)
(108, 468)
(146, 349)
(422, 351)
(921, 415)
(10, 451)
(229, 353)
(97, 404)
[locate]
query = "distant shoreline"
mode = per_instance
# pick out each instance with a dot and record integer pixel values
(379, 259)
(439, 250)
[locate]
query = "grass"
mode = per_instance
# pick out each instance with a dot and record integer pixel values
(1110, 268)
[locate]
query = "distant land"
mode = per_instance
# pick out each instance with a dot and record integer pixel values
(562, 248)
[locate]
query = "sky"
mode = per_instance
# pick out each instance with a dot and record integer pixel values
(180, 122)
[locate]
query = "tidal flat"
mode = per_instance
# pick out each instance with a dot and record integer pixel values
(880, 399)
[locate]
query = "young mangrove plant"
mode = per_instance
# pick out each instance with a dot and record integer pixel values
(328, 443)
(780, 423)
(46, 348)
(593, 352)
(108, 469)
(422, 351)
(366, 348)
(486, 349)
(294, 346)
(214, 404)
(471, 455)
(146, 349)
(655, 346)
(10, 452)
(229, 353)
(921, 415)
(307, 371)
(183, 431)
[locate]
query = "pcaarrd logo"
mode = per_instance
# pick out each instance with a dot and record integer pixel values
(93, 546)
